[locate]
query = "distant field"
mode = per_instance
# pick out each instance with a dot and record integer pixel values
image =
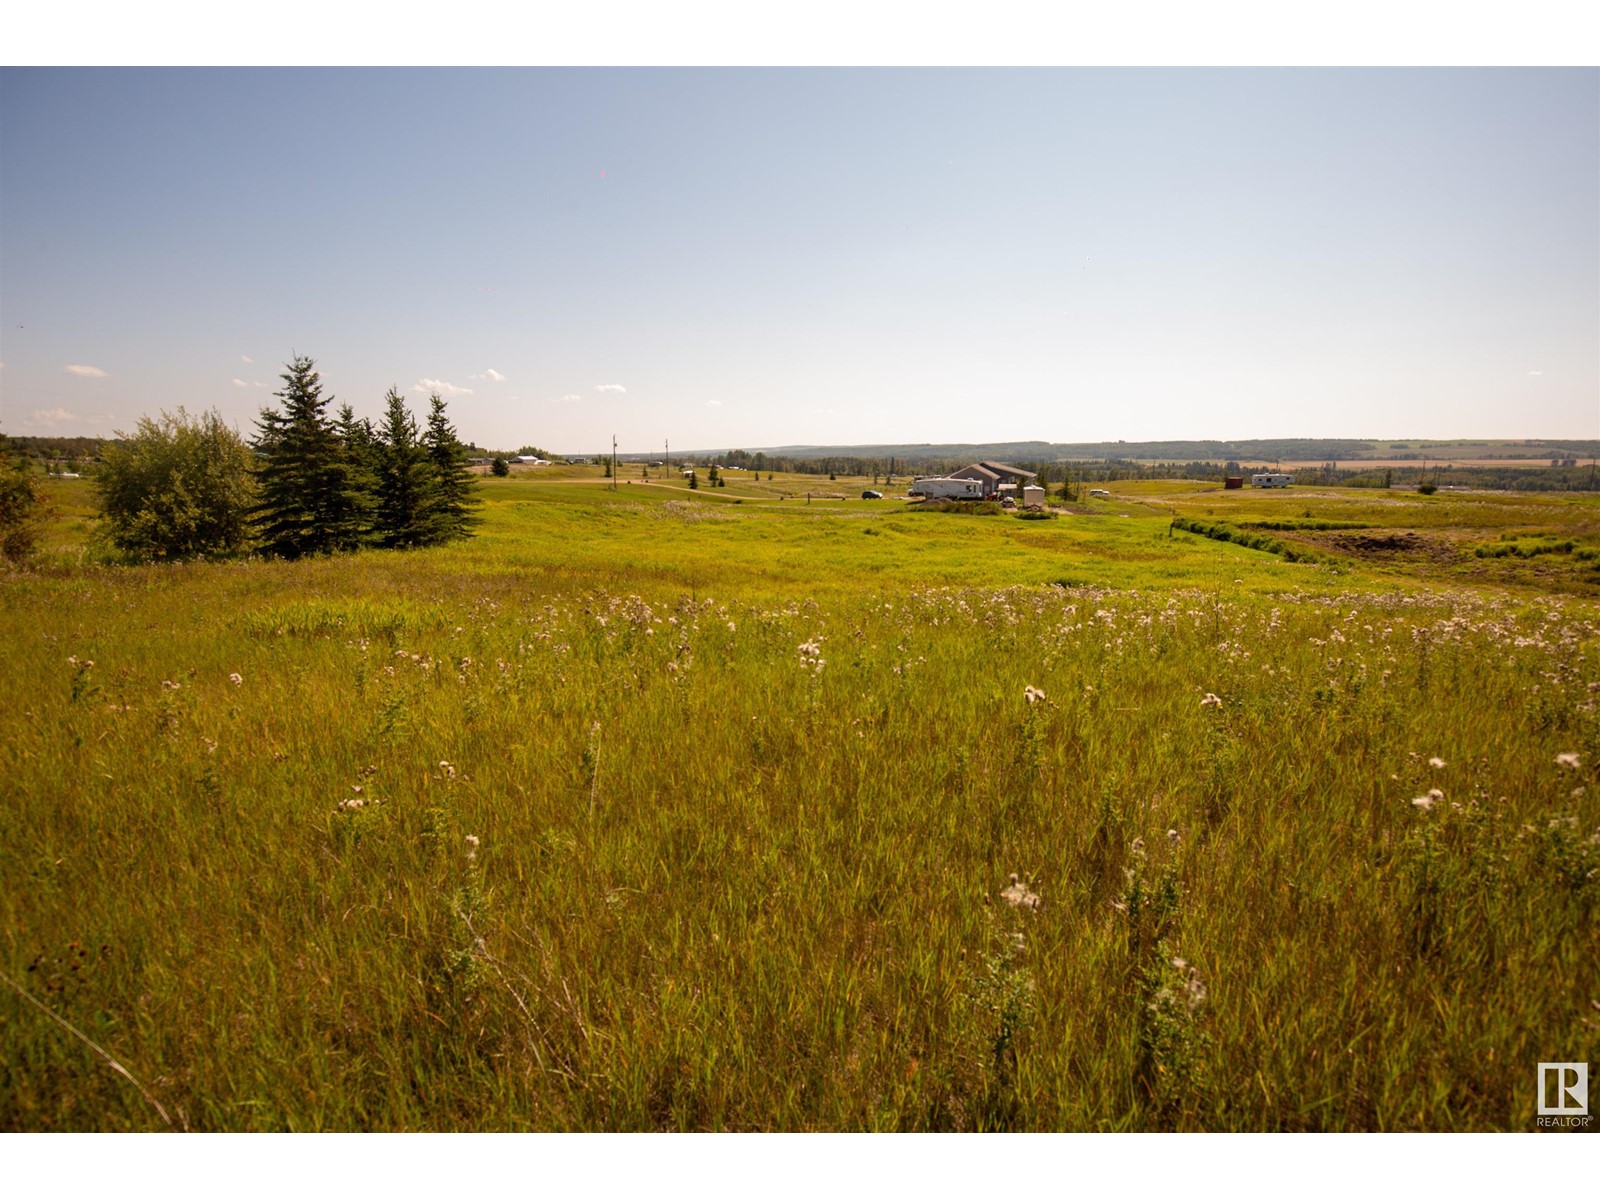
(652, 808)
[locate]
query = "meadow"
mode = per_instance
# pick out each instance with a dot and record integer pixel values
(650, 808)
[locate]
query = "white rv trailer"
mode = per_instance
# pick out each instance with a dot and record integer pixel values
(1271, 479)
(940, 487)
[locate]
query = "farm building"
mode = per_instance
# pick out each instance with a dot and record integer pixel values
(1032, 496)
(1233, 481)
(994, 476)
(1271, 479)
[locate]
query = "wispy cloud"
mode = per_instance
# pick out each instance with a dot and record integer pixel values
(251, 383)
(87, 372)
(1535, 372)
(246, 358)
(443, 387)
(50, 416)
(713, 403)
(610, 387)
(569, 398)
(491, 375)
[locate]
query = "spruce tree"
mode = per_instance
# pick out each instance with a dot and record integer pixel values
(358, 444)
(310, 503)
(404, 483)
(454, 498)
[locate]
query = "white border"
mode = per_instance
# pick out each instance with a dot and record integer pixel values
(789, 33)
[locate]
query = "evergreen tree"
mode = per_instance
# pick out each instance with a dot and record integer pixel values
(404, 483)
(500, 467)
(311, 500)
(358, 442)
(455, 487)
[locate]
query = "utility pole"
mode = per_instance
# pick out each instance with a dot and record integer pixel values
(667, 446)
(613, 462)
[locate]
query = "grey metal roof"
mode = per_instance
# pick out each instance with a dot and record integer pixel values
(1000, 468)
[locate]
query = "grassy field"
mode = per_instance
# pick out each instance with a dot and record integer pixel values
(659, 809)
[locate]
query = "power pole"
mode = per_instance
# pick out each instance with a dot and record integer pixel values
(613, 462)
(667, 446)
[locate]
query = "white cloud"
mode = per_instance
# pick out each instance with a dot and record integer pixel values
(240, 383)
(246, 358)
(443, 387)
(1535, 372)
(713, 403)
(86, 372)
(50, 416)
(491, 375)
(610, 387)
(569, 398)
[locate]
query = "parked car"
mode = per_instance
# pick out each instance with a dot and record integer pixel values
(1098, 492)
(869, 494)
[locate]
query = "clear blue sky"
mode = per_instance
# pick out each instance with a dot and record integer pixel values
(769, 257)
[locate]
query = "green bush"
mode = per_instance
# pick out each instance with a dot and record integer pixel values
(21, 509)
(179, 487)
(1220, 531)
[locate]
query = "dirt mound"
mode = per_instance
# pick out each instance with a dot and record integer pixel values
(1399, 541)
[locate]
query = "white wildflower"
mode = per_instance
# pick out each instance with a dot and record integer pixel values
(1212, 700)
(1018, 895)
(1567, 760)
(235, 678)
(1436, 763)
(1427, 802)
(1032, 694)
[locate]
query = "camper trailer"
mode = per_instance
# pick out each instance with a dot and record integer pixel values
(941, 487)
(1271, 479)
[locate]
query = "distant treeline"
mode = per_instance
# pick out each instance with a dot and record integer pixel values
(926, 456)
(59, 449)
(1572, 476)
(1511, 478)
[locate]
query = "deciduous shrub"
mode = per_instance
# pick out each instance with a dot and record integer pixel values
(21, 509)
(178, 487)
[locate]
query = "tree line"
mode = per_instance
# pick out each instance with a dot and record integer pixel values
(309, 483)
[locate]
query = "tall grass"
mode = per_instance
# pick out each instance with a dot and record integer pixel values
(464, 839)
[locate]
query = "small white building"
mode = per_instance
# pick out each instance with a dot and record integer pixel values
(943, 487)
(1032, 496)
(1270, 479)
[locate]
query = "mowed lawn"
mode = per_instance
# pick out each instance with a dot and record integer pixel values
(659, 809)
